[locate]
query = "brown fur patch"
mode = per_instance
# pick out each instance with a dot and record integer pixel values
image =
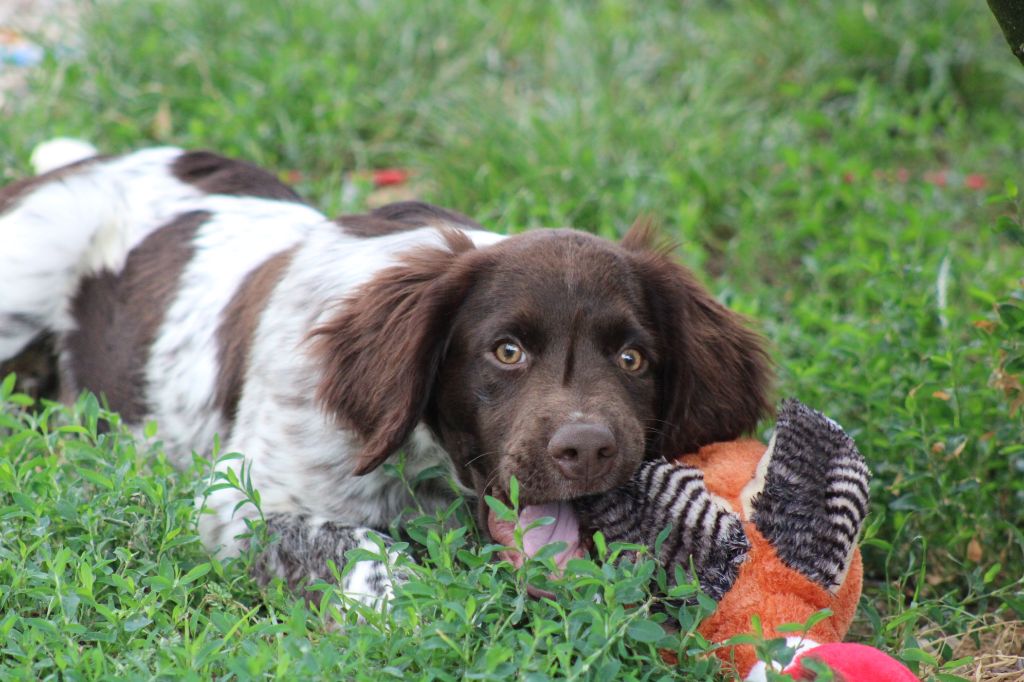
(383, 388)
(36, 367)
(216, 174)
(15, 191)
(645, 236)
(118, 316)
(716, 376)
(401, 217)
(238, 325)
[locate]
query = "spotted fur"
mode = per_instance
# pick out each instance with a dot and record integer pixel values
(302, 551)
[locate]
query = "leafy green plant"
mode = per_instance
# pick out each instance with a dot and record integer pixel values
(827, 166)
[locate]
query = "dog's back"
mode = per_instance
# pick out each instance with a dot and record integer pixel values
(155, 269)
(134, 264)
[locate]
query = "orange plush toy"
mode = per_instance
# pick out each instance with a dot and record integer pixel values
(768, 531)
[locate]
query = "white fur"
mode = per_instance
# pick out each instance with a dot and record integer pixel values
(77, 225)
(60, 151)
(183, 366)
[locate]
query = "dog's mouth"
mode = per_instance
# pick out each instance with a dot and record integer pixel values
(566, 528)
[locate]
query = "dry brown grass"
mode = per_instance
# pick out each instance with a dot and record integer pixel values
(997, 648)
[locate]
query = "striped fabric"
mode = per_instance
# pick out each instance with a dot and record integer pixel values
(815, 495)
(663, 494)
(811, 507)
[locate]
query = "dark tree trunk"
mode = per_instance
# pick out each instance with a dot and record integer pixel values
(1010, 15)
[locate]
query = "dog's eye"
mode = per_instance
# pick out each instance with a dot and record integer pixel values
(509, 353)
(631, 360)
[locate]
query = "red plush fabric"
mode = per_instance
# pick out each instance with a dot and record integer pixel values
(853, 663)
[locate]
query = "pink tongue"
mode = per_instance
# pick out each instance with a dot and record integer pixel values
(566, 528)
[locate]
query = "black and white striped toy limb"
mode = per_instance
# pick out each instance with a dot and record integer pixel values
(808, 496)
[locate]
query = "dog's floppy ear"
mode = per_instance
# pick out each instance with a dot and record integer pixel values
(380, 353)
(714, 375)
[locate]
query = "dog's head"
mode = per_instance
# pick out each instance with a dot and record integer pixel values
(553, 356)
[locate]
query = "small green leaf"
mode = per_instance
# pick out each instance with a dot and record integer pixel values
(817, 618)
(499, 508)
(7, 386)
(196, 573)
(645, 631)
(919, 656)
(97, 478)
(956, 663)
(599, 544)
(1011, 314)
(949, 677)
(136, 623)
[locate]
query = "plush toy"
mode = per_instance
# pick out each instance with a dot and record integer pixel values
(768, 531)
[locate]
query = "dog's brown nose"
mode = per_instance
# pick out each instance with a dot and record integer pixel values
(582, 450)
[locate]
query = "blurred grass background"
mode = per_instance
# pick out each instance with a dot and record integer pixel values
(844, 172)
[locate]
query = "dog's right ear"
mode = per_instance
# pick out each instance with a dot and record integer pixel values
(714, 375)
(380, 353)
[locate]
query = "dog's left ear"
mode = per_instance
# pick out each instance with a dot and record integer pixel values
(380, 354)
(714, 374)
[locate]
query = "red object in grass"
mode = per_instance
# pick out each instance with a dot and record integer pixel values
(975, 181)
(853, 663)
(386, 177)
(938, 178)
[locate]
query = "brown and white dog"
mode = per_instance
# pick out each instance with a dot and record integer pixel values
(204, 294)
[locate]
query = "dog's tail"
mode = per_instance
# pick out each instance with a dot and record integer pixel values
(60, 152)
(79, 216)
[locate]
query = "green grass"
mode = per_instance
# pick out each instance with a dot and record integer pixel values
(791, 147)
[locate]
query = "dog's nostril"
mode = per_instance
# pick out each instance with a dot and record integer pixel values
(567, 454)
(583, 450)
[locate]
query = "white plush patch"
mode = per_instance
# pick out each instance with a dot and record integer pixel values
(368, 581)
(759, 673)
(756, 484)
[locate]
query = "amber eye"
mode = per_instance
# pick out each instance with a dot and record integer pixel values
(631, 360)
(509, 353)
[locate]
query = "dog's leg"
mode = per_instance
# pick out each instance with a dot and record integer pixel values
(301, 550)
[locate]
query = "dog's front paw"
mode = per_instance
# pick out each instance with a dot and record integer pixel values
(303, 551)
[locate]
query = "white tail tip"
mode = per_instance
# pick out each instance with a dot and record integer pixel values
(60, 151)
